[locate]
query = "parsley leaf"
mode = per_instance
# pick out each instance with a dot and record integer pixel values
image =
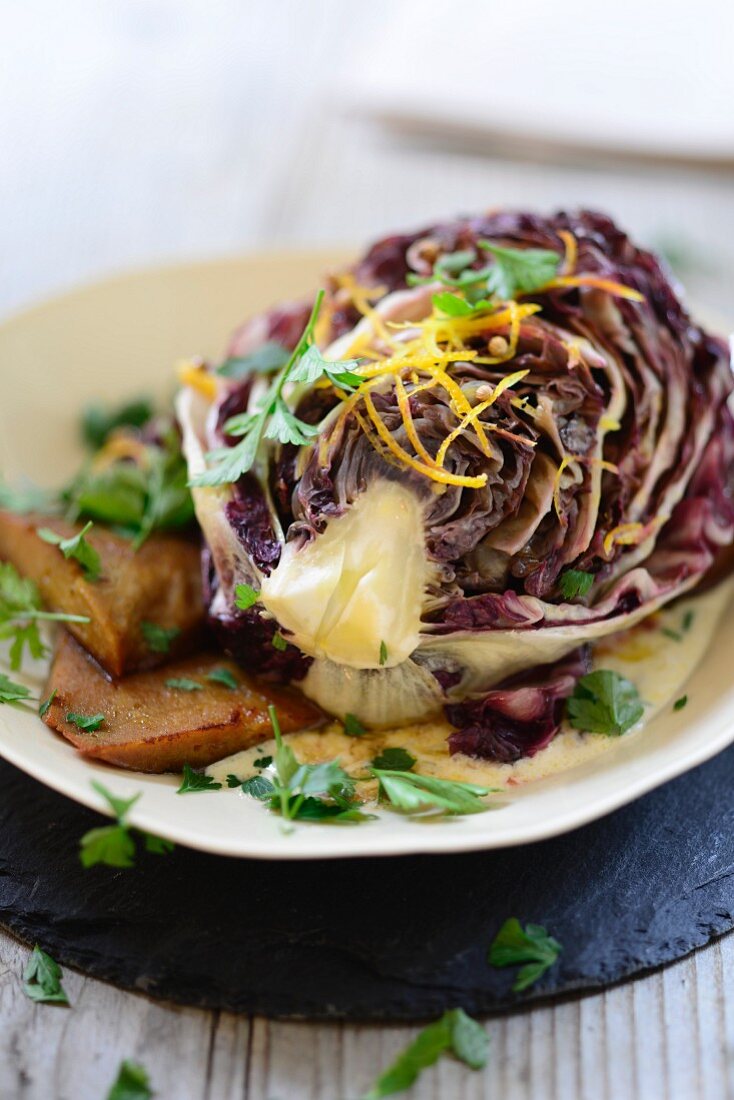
(258, 786)
(574, 583)
(245, 596)
(519, 270)
(454, 1033)
(42, 979)
(114, 845)
(77, 548)
(263, 762)
(269, 357)
(533, 947)
(223, 676)
(680, 703)
(159, 638)
(353, 727)
(21, 612)
(453, 306)
(312, 366)
(279, 642)
(182, 683)
(85, 722)
(194, 781)
(383, 653)
(132, 1083)
(394, 758)
(604, 702)
(99, 422)
(46, 704)
(11, 692)
(413, 793)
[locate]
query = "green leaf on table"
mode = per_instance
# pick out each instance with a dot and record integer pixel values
(604, 702)
(132, 1083)
(42, 979)
(77, 548)
(193, 782)
(159, 638)
(109, 844)
(532, 948)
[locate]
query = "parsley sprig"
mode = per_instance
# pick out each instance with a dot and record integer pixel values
(77, 548)
(20, 614)
(574, 583)
(531, 947)
(413, 793)
(513, 271)
(10, 692)
(114, 845)
(274, 419)
(604, 702)
(42, 979)
(132, 1083)
(455, 1033)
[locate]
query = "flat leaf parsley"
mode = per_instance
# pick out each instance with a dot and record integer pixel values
(20, 614)
(114, 845)
(76, 547)
(42, 979)
(604, 702)
(531, 947)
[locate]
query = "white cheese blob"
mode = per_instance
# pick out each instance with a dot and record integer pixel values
(354, 594)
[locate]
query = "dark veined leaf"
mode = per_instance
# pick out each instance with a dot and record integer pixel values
(77, 548)
(532, 947)
(42, 979)
(604, 702)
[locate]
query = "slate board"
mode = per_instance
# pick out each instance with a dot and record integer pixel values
(399, 938)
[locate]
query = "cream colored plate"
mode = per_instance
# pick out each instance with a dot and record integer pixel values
(121, 337)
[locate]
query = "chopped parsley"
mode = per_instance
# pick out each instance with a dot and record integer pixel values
(223, 676)
(604, 702)
(279, 642)
(114, 845)
(45, 706)
(182, 683)
(395, 759)
(10, 692)
(412, 793)
(383, 653)
(574, 583)
(263, 762)
(680, 703)
(245, 596)
(532, 948)
(159, 638)
(76, 548)
(269, 357)
(519, 270)
(353, 727)
(258, 786)
(20, 614)
(685, 626)
(42, 979)
(132, 1083)
(87, 722)
(687, 621)
(455, 1033)
(196, 781)
(99, 422)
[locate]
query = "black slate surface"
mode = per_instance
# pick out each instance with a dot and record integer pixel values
(381, 938)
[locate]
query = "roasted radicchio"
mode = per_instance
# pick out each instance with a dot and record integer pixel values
(537, 451)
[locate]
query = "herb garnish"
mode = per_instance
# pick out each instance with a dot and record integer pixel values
(274, 419)
(196, 781)
(519, 270)
(20, 613)
(99, 422)
(42, 979)
(680, 703)
(393, 758)
(10, 692)
(159, 638)
(263, 762)
(269, 357)
(413, 793)
(604, 702)
(245, 596)
(87, 722)
(132, 1083)
(383, 653)
(45, 706)
(258, 786)
(454, 1033)
(223, 676)
(76, 547)
(279, 642)
(182, 683)
(532, 947)
(353, 727)
(114, 845)
(574, 583)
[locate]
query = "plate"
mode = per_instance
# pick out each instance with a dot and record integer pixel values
(120, 337)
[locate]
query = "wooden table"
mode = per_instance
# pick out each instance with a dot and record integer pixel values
(135, 133)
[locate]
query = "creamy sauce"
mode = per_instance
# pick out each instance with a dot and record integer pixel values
(658, 656)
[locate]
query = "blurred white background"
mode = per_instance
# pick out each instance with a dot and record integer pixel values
(140, 131)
